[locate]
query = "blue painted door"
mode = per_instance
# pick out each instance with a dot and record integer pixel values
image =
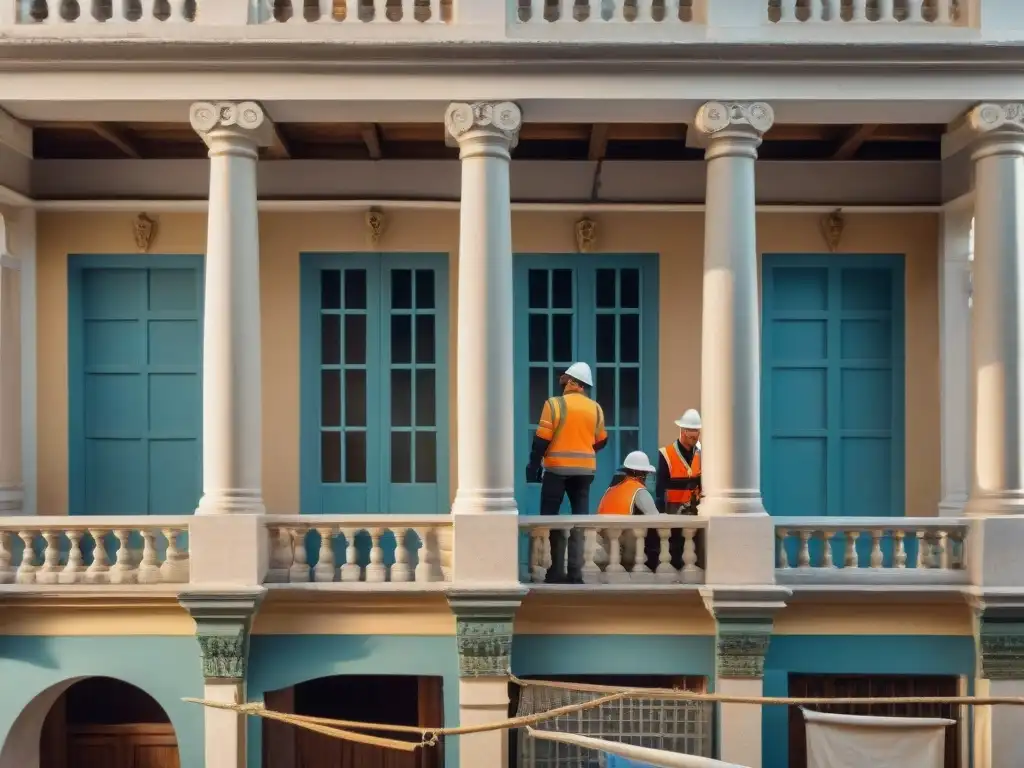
(375, 383)
(602, 310)
(833, 385)
(135, 390)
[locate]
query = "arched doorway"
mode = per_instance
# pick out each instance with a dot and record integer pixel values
(391, 699)
(101, 722)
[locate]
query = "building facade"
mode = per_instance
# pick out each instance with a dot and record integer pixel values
(284, 288)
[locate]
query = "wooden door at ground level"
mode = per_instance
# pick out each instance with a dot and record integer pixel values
(863, 686)
(147, 745)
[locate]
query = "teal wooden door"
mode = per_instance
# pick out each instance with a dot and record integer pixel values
(374, 383)
(602, 310)
(134, 389)
(833, 385)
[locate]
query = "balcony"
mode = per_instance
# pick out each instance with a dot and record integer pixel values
(424, 22)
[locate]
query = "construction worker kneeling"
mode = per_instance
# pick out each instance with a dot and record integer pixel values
(628, 495)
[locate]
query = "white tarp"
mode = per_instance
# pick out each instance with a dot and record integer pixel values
(856, 741)
(656, 758)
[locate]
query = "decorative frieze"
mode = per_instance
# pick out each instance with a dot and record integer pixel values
(483, 630)
(223, 622)
(502, 118)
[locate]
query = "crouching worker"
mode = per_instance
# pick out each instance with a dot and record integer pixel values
(628, 495)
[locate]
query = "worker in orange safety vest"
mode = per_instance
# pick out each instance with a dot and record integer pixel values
(628, 495)
(563, 460)
(677, 487)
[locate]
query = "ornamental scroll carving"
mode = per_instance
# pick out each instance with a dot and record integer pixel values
(993, 117)
(206, 116)
(503, 117)
(716, 116)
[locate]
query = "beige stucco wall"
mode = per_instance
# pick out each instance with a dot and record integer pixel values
(677, 237)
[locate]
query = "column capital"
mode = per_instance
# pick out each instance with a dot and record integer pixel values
(225, 124)
(744, 621)
(985, 122)
(482, 122)
(484, 621)
(999, 634)
(734, 119)
(223, 621)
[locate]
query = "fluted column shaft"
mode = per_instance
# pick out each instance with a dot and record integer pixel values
(730, 332)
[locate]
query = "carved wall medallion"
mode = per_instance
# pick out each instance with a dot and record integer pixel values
(1001, 648)
(586, 235)
(145, 231)
(832, 226)
(741, 647)
(485, 645)
(376, 223)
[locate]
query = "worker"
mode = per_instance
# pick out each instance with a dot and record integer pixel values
(677, 487)
(563, 460)
(628, 495)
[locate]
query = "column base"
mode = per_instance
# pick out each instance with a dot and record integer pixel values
(12, 498)
(476, 501)
(736, 502)
(1003, 503)
(232, 501)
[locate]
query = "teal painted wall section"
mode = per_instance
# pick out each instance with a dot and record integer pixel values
(277, 661)
(613, 655)
(851, 654)
(167, 668)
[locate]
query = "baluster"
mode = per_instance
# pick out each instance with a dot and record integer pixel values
(537, 12)
(299, 571)
(351, 571)
(665, 572)
(50, 569)
(803, 555)
(409, 12)
(591, 572)
(851, 558)
(177, 12)
(27, 570)
(826, 550)
(942, 555)
(71, 572)
(123, 570)
(324, 569)
(117, 14)
(943, 14)
(446, 555)
(915, 10)
(859, 10)
(149, 566)
(565, 8)
(692, 573)
(424, 572)
(921, 559)
(644, 10)
(959, 552)
(831, 11)
(618, 13)
(640, 572)
(899, 554)
(876, 559)
(6, 571)
(886, 11)
(376, 572)
(402, 569)
(380, 12)
(98, 571)
(614, 572)
(280, 556)
(175, 568)
(782, 534)
(537, 569)
(325, 12)
(146, 11)
(815, 11)
(787, 11)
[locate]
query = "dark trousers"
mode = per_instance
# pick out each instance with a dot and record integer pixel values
(552, 489)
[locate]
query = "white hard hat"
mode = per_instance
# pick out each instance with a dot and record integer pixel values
(637, 461)
(580, 372)
(689, 420)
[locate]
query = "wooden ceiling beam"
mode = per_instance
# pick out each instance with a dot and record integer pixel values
(853, 141)
(279, 148)
(598, 142)
(371, 138)
(111, 134)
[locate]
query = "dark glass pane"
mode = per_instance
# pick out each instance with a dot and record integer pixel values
(355, 398)
(629, 441)
(561, 289)
(330, 289)
(629, 397)
(401, 398)
(355, 339)
(540, 390)
(605, 338)
(424, 338)
(355, 289)
(629, 287)
(538, 280)
(629, 339)
(426, 398)
(424, 289)
(401, 289)
(401, 458)
(605, 288)
(330, 457)
(561, 339)
(330, 339)
(604, 390)
(330, 398)
(538, 338)
(355, 457)
(401, 338)
(426, 457)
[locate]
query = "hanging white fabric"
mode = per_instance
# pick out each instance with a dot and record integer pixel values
(855, 741)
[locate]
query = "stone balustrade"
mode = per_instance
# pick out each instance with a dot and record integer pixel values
(871, 550)
(614, 547)
(937, 12)
(360, 549)
(70, 551)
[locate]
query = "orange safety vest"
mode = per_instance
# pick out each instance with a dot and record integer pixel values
(618, 500)
(572, 424)
(681, 486)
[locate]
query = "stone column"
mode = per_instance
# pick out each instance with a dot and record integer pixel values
(485, 506)
(484, 628)
(999, 639)
(11, 489)
(730, 333)
(223, 621)
(997, 328)
(744, 619)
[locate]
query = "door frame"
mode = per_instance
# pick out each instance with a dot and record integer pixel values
(895, 264)
(311, 265)
(77, 265)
